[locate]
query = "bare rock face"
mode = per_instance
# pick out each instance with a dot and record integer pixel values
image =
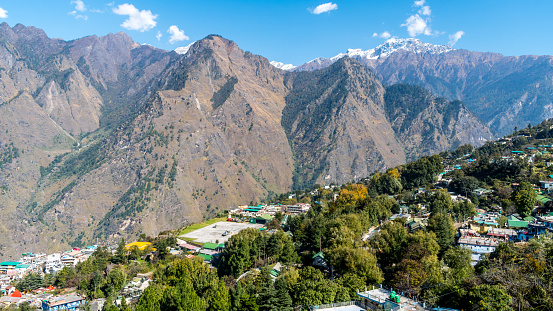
(116, 139)
(335, 120)
(503, 91)
(425, 124)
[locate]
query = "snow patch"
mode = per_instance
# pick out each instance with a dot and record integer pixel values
(388, 48)
(184, 49)
(283, 66)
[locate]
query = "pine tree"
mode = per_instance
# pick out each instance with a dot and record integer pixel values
(283, 299)
(120, 256)
(267, 294)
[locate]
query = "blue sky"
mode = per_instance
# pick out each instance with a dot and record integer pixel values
(297, 31)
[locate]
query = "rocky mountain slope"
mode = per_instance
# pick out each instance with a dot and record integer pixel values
(107, 138)
(503, 91)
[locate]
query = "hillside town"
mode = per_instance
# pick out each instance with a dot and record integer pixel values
(482, 216)
(48, 298)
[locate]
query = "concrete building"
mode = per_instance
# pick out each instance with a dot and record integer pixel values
(478, 246)
(66, 302)
(384, 299)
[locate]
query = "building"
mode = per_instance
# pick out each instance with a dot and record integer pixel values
(8, 267)
(478, 246)
(211, 246)
(263, 219)
(416, 224)
(536, 228)
(483, 222)
(298, 208)
(514, 222)
(384, 299)
(481, 191)
(69, 261)
(547, 185)
(66, 302)
(189, 247)
(503, 234)
(320, 261)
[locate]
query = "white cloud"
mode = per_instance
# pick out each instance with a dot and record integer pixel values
(79, 5)
(425, 10)
(79, 8)
(455, 37)
(3, 13)
(138, 20)
(159, 35)
(416, 25)
(325, 7)
(384, 35)
(176, 34)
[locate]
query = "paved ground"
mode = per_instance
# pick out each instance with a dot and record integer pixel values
(214, 232)
(346, 308)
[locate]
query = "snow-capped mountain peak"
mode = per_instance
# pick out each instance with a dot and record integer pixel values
(410, 44)
(394, 45)
(283, 66)
(184, 49)
(384, 50)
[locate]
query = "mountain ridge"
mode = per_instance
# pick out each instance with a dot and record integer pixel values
(172, 138)
(504, 91)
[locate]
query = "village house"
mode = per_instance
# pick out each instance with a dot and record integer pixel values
(67, 302)
(478, 246)
(8, 267)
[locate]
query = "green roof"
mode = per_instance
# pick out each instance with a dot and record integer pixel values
(222, 245)
(9, 263)
(319, 254)
(22, 266)
(211, 246)
(517, 224)
(206, 257)
(512, 217)
(543, 198)
(266, 217)
(274, 272)
(516, 151)
(529, 218)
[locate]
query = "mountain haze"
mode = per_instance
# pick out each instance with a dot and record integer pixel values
(107, 138)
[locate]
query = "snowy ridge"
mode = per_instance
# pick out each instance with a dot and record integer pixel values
(184, 49)
(283, 66)
(384, 50)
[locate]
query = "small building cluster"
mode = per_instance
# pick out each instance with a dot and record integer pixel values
(381, 298)
(261, 212)
(207, 252)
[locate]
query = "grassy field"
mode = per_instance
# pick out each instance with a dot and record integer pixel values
(200, 225)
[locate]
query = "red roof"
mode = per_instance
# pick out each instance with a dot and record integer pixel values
(16, 293)
(189, 246)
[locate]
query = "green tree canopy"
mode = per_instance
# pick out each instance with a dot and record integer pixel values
(524, 198)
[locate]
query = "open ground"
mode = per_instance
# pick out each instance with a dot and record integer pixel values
(214, 233)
